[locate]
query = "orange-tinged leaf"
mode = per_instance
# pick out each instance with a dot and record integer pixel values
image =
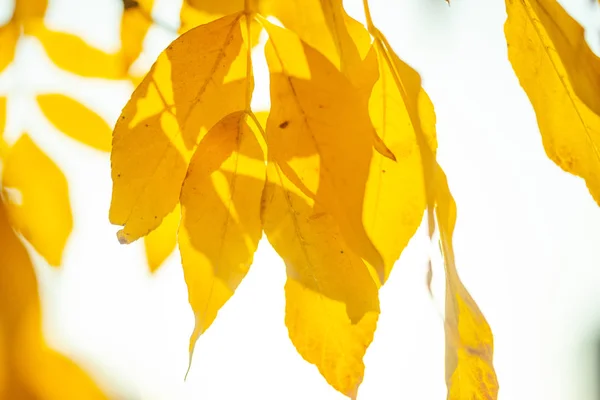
(395, 197)
(76, 120)
(196, 81)
(161, 242)
(549, 55)
(29, 9)
(320, 134)
(221, 225)
(39, 205)
(325, 26)
(29, 369)
(135, 24)
(9, 35)
(469, 342)
(331, 299)
(89, 62)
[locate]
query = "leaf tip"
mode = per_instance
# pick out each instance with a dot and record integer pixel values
(123, 237)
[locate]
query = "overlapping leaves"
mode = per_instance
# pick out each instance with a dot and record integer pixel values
(347, 172)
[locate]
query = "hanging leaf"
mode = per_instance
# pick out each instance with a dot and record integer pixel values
(560, 75)
(221, 224)
(75, 120)
(160, 243)
(135, 24)
(332, 304)
(39, 206)
(9, 35)
(469, 342)
(320, 133)
(196, 81)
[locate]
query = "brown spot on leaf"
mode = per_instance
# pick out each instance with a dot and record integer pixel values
(284, 124)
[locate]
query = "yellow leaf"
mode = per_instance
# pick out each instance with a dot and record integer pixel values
(196, 81)
(325, 26)
(549, 55)
(556, 32)
(76, 120)
(320, 134)
(200, 12)
(331, 300)
(469, 342)
(9, 35)
(31, 369)
(89, 62)
(161, 242)
(221, 226)
(39, 205)
(135, 24)
(395, 197)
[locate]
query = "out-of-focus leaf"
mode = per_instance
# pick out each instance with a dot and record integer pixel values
(221, 224)
(331, 299)
(320, 134)
(561, 77)
(76, 120)
(73, 54)
(38, 206)
(135, 24)
(9, 35)
(196, 81)
(29, 9)
(2, 115)
(29, 370)
(469, 342)
(161, 242)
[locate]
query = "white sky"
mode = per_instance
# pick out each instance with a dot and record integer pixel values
(526, 239)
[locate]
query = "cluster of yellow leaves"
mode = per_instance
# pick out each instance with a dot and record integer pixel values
(338, 178)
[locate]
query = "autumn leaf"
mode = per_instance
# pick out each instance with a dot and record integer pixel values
(196, 81)
(135, 24)
(75, 120)
(199, 12)
(90, 61)
(221, 226)
(320, 133)
(560, 75)
(325, 26)
(9, 35)
(29, 369)
(332, 304)
(469, 341)
(160, 243)
(38, 199)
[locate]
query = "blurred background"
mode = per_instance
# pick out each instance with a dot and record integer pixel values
(527, 240)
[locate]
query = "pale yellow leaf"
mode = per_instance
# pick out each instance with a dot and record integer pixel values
(469, 342)
(160, 243)
(76, 120)
(38, 206)
(332, 304)
(320, 133)
(221, 225)
(553, 63)
(196, 81)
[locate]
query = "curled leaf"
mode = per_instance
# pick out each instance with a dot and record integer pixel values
(196, 81)
(76, 120)
(38, 199)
